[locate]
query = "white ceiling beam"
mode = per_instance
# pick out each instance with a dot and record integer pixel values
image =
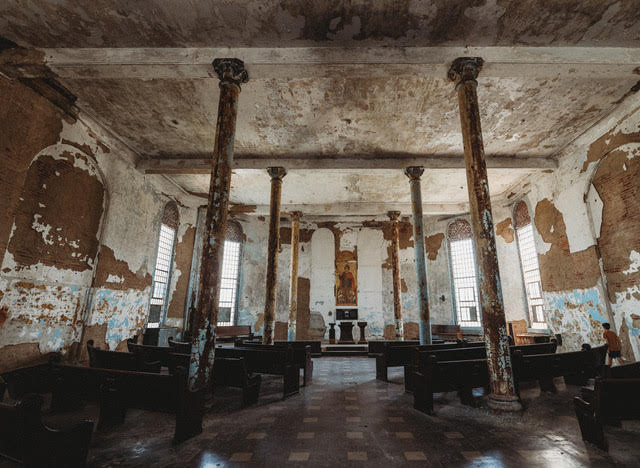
(371, 210)
(203, 166)
(302, 62)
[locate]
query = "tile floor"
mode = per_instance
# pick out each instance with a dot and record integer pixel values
(346, 418)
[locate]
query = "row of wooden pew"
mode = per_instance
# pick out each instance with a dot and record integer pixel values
(612, 398)
(147, 377)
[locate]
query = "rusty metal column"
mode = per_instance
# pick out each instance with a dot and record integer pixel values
(276, 173)
(293, 290)
(231, 73)
(414, 173)
(395, 268)
(463, 73)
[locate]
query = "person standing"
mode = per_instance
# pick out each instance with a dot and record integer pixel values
(613, 344)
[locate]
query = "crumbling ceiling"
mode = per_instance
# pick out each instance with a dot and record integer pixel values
(339, 79)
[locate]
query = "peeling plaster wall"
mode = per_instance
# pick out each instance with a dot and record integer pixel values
(82, 232)
(584, 233)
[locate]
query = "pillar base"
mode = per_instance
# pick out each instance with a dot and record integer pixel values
(504, 403)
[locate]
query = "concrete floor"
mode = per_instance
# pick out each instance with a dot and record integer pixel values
(347, 418)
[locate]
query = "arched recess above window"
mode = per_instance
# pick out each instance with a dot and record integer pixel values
(463, 273)
(234, 231)
(521, 215)
(529, 264)
(171, 216)
(459, 229)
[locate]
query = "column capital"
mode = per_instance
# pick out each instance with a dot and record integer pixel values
(414, 172)
(393, 215)
(296, 215)
(465, 69)
(277, 173)
(230, 70)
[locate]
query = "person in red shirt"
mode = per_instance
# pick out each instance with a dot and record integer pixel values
(613, 343)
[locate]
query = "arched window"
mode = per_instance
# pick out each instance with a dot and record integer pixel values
(228, 302)
(164, 259)
(529, 264)
(463, 273)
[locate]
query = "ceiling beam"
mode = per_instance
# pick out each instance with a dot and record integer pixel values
(203, 166)
(371, 210)
(302, 62)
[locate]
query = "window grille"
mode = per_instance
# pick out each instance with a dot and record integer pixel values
(161, 275)
(531, 275)
(463, 272)
(229, 283)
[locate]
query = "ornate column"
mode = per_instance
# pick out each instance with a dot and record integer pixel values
(293, 289)
(231, 73)
(395, 268)
(463, 73)
(276, 173)
(414, 173)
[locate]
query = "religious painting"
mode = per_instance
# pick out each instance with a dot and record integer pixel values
(346, 279)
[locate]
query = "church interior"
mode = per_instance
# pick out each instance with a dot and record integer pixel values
(334, 233)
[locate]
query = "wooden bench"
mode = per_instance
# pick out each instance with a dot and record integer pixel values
(378, 346)
(276, 361)
(118, 390)
(180, 347)
(25, 439)
(446, 332)
(435, 376)
(226, 372)
(301, 356)
(30, 379)
(232, 372)
(395, 355)
(466, 354)
(122, 361)
(613, 400)
(625, 371)
(150, 353)
(575, 367)
(316, 346)
(230, 332)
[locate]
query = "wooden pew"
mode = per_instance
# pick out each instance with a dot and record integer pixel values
(469, 353)
(378, 346)
(122, 361)
(230, 332)
(150, 353)
(180, 347)
(301, 355)
(226, 372)
(316, 346)
(30, 379)
(25, 439)
(276, 361)
(232, 372)
(118, 390)
(575, 367)
(625, 371)
(394, 355)
(446, 376)
(464, 375)
(613, 400)
(446, 332)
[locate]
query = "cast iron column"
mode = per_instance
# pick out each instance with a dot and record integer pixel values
(414, 173)
(464, 72)
(231, 73)
(276, 173)
(293, 290)
(395, 268)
